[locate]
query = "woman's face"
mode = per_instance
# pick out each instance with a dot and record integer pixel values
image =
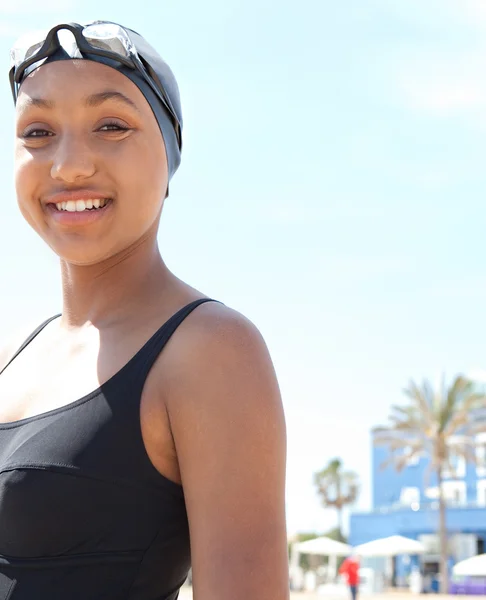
(90, 164)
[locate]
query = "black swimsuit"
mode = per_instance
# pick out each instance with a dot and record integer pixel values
(84, 515)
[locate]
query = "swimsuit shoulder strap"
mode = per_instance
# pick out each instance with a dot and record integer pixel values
(33, 335)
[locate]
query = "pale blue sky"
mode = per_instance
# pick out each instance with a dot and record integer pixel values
(331, 189)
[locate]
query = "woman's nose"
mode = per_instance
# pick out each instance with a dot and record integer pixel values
(72, 160)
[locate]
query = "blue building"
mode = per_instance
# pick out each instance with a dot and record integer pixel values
(406, 504)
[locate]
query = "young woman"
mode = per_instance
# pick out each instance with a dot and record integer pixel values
(141, 430)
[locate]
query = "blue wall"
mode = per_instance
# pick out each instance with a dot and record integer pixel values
(365, 527)
(388, 483)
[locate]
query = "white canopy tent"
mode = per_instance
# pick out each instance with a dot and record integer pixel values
(322, 546)
(471, 567)
(390, 546)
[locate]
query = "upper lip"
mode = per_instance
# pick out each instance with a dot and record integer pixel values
(67, 195)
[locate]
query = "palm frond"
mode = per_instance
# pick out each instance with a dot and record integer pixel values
(469, 413)
(420, 400)
(468, 453)
(392, 461)
(393, 442)
(451, 399)
(405, 410)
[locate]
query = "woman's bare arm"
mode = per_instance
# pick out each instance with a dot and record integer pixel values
(228, 425)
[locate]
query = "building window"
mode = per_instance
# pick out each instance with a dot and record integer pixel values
(409, 496)
(458, 464)
(432, 493)
(455, 492)
(481, 493)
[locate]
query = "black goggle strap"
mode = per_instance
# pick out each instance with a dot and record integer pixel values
(151, 77)
(155, 78)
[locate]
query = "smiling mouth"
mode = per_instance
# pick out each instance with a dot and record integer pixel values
(82, 205)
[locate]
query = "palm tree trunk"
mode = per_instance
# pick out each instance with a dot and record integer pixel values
(339, 506)
(443, 568)
(340, 522)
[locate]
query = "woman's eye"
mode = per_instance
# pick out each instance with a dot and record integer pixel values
(37, 133)
(113, 127)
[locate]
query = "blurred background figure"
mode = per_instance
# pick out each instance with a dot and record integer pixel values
(350, 570)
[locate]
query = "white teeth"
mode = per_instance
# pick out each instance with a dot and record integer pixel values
(81, 205)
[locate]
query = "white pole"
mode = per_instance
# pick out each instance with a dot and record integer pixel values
(294, 570)
(332, 570)
(294, 556)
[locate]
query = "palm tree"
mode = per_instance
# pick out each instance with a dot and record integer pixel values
(440, 425)
(337, 488)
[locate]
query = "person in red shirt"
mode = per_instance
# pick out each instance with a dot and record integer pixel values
(350, 570)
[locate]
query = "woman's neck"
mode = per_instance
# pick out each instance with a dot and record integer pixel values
(112, 290)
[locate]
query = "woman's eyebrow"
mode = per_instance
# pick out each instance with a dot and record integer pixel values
(93, 100)
(97, 99)
(30, 101)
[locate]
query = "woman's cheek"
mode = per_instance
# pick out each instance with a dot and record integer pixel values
(25, 183)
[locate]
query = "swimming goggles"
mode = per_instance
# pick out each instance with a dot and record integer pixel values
(101, 38)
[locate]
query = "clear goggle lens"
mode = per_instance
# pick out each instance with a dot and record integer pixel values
(26, 46)
(111, 37)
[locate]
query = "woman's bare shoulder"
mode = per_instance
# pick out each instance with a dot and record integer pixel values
(218, 323)
(214, 348)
